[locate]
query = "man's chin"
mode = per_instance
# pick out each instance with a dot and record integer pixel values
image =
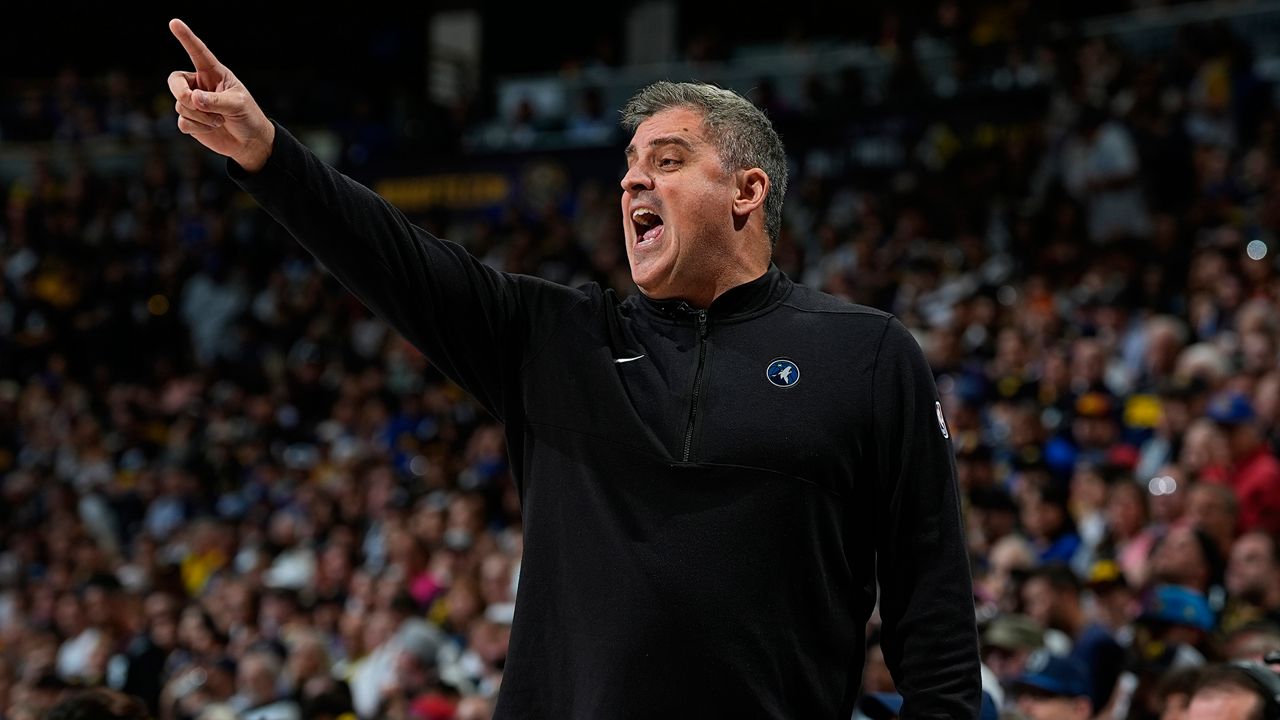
(653, 288)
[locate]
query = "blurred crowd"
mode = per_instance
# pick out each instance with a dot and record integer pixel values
(227, 490)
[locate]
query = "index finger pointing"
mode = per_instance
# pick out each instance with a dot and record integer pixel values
(195, 47)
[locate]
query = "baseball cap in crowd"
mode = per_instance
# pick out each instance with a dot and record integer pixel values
(1054, 675)
(1230, 408)
(1121, 457)
(1178, 605)
(1013, 632)
(1095, 404)
(1105, 574)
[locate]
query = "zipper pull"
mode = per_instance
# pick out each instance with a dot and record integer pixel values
(702, 324)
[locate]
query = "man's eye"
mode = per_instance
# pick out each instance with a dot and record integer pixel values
(668, 162)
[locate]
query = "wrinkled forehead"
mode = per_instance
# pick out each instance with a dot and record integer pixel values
(678, 125)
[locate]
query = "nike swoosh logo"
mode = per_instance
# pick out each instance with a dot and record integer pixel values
(624, 360)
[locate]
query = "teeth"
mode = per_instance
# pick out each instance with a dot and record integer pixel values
(644, 216)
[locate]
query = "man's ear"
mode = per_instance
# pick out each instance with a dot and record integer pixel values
(752, 187)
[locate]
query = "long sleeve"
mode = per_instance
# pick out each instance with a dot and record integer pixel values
(929, 635)
(478, 325)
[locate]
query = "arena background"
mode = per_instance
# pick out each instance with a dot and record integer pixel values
(230, 491)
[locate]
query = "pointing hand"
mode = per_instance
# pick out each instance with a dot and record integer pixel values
(215, 108)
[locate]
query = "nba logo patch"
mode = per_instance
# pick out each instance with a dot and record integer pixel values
(783, 373)
(942, 422)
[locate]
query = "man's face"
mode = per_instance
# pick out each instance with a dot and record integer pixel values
(677, 206)
(1006, 663)
(1223, 705)
(1251, 568)
(1179, 559)
(1040, 602)
(1209, 512)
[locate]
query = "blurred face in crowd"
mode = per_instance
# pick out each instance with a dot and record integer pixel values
(1088, 363)
(1180, 560)
(1038, 706)
(1175, 415)
(1252, 644)
(1011, 355)
(1209, 509)
(1163, 346)
(99, 606)
(194, 633)
(473, 707)
(1006, 663)
(681, 208)
(68, 616)
(1126, 509)
(1009, 554)
(1252, 572)
(1258, 353)
(490, 641)
(1266, 399)
(1095, 432)
(1040, 601)
(1203, 446)
(1224, 704)
(256, 678)
(307, 658)
(1116, 605)
(1088, 489)
(1175, 706)
(1243, 440)
(1169, 507)
(162, 619)
(1042, 519)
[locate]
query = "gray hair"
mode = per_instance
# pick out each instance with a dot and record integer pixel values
(741, 134)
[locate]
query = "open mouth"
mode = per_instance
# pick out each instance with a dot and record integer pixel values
(648, 225)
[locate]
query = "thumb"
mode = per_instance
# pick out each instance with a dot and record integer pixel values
(225, 103)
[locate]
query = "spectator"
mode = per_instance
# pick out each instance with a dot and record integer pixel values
(1053, 598)
(98, 704)
(1253, 580)
(1100, 168)
(1053, 688)
(1173, 694)
(1232, 691)
(1188, 557)
(205, 444)
(1214, 510)
(1007, 642)
(258, 691)
(1255, 474)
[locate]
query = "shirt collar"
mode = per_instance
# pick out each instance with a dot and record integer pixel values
(737, 301)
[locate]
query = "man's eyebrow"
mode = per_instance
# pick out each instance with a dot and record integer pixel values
(661, 140)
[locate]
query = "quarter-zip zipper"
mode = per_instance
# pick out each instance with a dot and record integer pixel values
(697, 383)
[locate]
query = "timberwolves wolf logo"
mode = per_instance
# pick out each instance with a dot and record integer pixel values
(783, 373)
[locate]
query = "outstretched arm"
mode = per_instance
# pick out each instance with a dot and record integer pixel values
(475, 323)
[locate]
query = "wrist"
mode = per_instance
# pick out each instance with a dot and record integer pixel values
(258, 150)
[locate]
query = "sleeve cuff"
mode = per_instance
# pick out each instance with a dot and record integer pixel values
(284, 147)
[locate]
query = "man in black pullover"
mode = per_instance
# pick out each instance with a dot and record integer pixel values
(714, 474)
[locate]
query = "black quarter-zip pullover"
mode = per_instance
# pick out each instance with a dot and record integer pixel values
(710, 497)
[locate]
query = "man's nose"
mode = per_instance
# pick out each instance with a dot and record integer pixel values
(636, 180)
